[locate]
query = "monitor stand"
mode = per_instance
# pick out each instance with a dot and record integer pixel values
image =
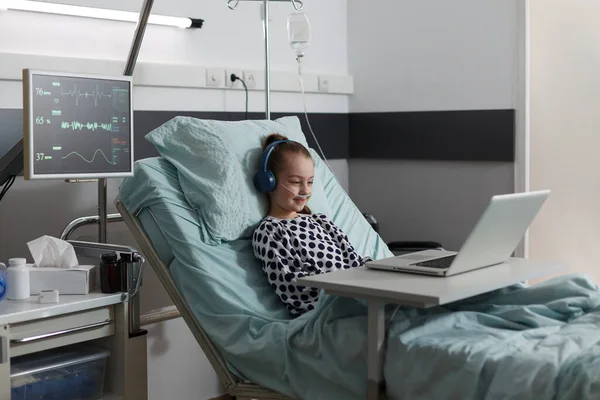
(134, 51)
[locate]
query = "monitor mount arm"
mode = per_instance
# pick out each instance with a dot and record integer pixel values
(134, 51)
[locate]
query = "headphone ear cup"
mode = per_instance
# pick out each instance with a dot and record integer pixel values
(272, 181)
(264, 181)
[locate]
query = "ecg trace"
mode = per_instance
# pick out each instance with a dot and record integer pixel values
(93, 158)
(96, 94)
(92, 126)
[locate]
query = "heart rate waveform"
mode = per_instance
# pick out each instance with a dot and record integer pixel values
(93, 157)
(96, 94)
(91, 126)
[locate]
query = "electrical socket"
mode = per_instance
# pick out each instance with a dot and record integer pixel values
(323, 84)
(214, 77)
(250, 79)
(237, 84)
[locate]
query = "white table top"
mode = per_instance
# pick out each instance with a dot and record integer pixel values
(422, 290)
(15, 311)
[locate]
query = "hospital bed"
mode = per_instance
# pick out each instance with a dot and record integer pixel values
(537, 342)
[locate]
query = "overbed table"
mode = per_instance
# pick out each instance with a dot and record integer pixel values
(379, 288)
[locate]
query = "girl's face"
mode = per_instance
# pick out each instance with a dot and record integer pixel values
(294, 183)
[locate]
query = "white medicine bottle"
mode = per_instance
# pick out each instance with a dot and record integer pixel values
(17, 279)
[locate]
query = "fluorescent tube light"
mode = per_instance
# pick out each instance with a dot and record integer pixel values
(100, 13)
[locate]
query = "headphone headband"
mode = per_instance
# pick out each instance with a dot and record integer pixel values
(264, 159)
(264, 180)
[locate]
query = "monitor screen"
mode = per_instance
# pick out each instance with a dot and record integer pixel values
(77, 126)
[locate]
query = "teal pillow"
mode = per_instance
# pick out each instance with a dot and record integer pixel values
(216, 162)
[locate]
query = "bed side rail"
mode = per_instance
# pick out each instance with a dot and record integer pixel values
(87, 220)
(214, 357)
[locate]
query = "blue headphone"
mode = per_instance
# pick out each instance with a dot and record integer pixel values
(264, 180)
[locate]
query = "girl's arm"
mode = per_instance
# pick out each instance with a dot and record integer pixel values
(283, 266)
(331, 228)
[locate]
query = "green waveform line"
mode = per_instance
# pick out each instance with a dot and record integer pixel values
(96, 94)
(91, 126)
(93, 157)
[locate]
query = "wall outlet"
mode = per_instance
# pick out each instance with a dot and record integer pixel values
(323, 84)
(237, 84)
(250, 79)
(215, 77)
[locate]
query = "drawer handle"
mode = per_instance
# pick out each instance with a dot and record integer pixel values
(63, 332)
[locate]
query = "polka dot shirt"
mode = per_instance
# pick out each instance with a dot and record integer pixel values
(303, 246)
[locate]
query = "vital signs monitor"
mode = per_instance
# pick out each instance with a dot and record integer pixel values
(77, 126)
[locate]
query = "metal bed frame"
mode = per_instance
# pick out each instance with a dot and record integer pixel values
(239, 388)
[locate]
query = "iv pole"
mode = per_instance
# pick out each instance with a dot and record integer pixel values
(267, 59)
(298, 5)
(134, 51)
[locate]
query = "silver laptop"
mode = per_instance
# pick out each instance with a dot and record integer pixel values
(493, 240)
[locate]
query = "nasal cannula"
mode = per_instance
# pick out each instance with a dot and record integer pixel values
(302, 196)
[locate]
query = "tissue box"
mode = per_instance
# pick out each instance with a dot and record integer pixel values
(80, 280)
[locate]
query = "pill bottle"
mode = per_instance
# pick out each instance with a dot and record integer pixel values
(17, 279)
(125, 269)
(110, 276)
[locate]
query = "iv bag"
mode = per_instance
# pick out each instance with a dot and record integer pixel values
(299, 33)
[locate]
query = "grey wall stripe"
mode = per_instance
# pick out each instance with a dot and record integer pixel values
(473, 135)
(478, 135)
(331, 129)
(11, 128)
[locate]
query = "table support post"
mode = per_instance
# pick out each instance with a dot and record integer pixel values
(376, 331)
(4, 363)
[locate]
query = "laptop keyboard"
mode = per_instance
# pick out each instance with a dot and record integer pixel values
(441, 263)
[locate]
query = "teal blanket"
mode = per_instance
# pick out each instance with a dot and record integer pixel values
(523, 343)
(540, 342)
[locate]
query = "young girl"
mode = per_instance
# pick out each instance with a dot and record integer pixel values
(291, 242)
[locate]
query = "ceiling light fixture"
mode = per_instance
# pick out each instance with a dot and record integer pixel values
(99, 13)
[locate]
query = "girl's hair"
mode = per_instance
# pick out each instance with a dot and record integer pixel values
(281, 152)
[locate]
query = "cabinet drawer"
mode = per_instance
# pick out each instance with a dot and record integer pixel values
(46, 333)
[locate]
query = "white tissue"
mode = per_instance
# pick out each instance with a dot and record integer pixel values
(48, 251)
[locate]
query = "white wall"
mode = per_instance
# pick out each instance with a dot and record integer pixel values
(565, 104)
(431, 55)
(177, 367)
(439, 201)
(228, 37)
